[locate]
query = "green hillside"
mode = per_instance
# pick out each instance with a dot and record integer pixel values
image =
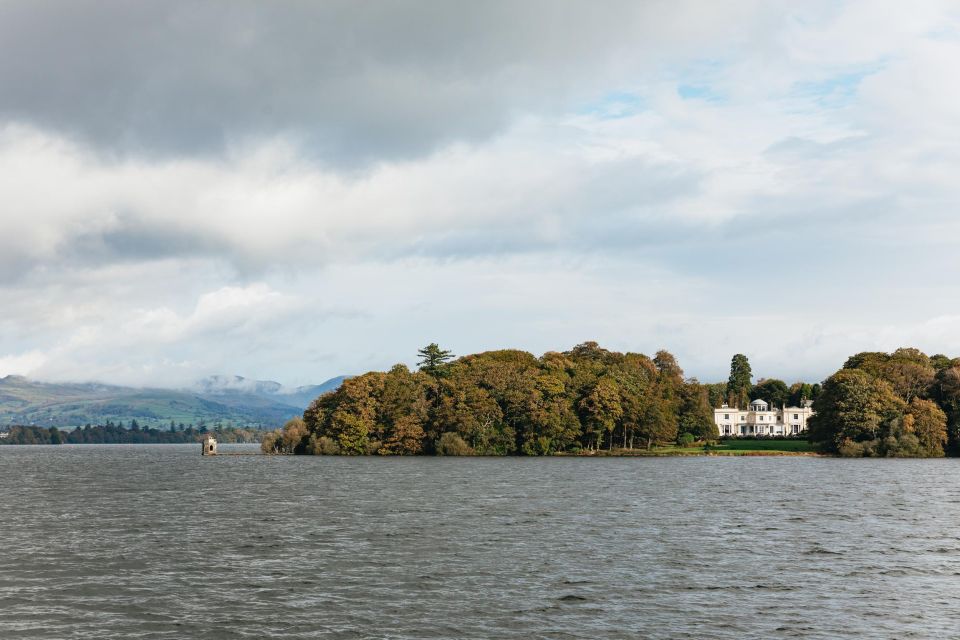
(23, 401)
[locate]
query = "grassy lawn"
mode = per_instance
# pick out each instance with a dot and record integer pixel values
(745, 444)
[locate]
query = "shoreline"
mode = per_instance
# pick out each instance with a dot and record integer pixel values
(688, 454)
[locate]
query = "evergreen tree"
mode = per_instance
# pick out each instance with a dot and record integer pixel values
(433, 359)
(738, 385)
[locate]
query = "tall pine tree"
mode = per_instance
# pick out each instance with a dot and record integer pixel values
(432, 359)
(738, 385)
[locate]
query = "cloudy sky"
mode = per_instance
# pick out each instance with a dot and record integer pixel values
(296, 190)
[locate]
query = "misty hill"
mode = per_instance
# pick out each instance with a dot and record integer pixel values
(218, 399)
(231, 389)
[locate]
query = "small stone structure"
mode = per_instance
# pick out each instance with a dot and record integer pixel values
(209, 446)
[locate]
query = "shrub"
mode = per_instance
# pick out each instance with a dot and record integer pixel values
(686, 440)
(325, 446)
(451, 444)
(293, 434)
(867, 448)
(270, 443)
(541, 446)
(850, 449)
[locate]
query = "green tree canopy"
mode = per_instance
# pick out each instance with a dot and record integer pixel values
(602, 410)
(774, 391)
(854, 406)
(928, 423)
(696, 412)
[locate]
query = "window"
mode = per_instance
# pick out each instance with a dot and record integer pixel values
(761, 418)
(796, 416)
(726, 416)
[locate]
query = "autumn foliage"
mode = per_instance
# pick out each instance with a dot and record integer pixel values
(902, 404)
(510, 403)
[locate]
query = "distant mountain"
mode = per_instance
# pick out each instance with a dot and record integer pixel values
(228, 388)
(303, 396)
(224, 399)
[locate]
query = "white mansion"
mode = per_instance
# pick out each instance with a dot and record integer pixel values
(761, 420)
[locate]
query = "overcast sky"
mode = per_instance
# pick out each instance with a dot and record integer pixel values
(292, 191)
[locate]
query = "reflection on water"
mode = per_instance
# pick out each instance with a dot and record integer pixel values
(157, 542)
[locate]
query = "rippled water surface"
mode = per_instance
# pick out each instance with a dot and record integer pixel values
(157, 542)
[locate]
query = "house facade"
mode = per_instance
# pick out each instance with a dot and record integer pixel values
(762, 420)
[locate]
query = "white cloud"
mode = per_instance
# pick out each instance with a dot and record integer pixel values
(21, 363)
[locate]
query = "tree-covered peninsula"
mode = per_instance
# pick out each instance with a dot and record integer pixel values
(507, 403)
(590, 400)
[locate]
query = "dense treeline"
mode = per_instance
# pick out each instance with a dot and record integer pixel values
(32, 435)
(903, 403)
(506, 403)
(111, 433)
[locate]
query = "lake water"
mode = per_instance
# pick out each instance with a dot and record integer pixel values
(157, 542)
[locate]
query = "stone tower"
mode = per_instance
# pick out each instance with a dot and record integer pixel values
(209, 446)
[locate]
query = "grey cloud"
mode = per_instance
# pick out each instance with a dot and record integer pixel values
(352, 81)
(132, 239)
